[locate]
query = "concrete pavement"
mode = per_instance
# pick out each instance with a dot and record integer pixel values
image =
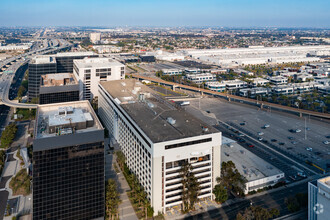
(126, 210)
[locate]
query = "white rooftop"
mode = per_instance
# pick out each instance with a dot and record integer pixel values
(96, 62)
(248, 164)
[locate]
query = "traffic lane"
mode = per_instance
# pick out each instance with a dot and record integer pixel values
(3, 203)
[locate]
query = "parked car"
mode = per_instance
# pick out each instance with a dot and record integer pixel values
(260, 133)
(266, 126)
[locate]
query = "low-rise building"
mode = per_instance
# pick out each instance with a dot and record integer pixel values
(253, 92)
(172, 71)
(216, 86)
(234, 84)
(283, 89)
(278, 80)
(257, 172)
(200, 78)
(259, 82)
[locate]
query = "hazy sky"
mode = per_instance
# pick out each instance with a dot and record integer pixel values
(226, 13)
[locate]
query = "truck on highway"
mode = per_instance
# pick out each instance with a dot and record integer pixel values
(185, 103)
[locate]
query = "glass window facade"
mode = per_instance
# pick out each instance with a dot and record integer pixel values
(68, 182)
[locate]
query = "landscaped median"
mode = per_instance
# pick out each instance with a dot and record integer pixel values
(21, 183)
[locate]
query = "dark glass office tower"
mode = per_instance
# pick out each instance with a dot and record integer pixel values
(37, 67)
(57, 63)
(65, 60)
(68, 163)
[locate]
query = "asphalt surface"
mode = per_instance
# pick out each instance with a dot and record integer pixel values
(280, 123)
(271, 200)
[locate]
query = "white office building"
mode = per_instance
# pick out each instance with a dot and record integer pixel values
(157, 139)
(216, 86)
(319, 199)
(200, 78)
(90, 71)
(278, 80)
(234, 84)
(259, 82)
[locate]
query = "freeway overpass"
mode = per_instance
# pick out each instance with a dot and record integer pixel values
(261, 104)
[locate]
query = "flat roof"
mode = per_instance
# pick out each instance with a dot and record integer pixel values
(43, 59)
(96, 62)
(73, 54)
(58, 79)
(325, 181)
(160, 119)
(65, 118)
(248, 164)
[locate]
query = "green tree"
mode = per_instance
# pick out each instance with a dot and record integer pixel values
(112, 199)
(257, 213)
(292, 204)
(190, 187)
(8, 135)
(220, 193)
(231, 179)
(21, 91)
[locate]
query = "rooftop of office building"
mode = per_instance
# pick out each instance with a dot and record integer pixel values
(96, 62)
(59, 79)
(160, 119)
(73, 54)
(248, 164)
(65, 118)
(325, 182)
(43, 59)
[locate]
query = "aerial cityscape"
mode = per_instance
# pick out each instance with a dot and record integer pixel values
(176, 110)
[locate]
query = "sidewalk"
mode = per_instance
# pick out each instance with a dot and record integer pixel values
(125, 209)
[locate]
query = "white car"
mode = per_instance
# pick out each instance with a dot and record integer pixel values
(266, 126)
(297, 130)
(326, 142)
(260, 133)
(309, 149)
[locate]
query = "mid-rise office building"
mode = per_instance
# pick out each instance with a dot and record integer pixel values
(91, 71)
(157, 139)
(47, 64)
(200, 78)
(68, 162)
(38, 66)
(319, 199)
(60, 87)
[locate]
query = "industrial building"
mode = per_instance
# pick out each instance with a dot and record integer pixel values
(319, 199)
(60, 87)
(91, 71)
(257, 172)
(68, 162)
(261, 55)
(157, 138)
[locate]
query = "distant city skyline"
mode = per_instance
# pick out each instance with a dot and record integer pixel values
(226, 13)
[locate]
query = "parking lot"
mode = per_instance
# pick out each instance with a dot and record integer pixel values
(253, 120)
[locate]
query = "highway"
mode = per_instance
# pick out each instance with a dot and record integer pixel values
(9, 73)
(261, 104)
